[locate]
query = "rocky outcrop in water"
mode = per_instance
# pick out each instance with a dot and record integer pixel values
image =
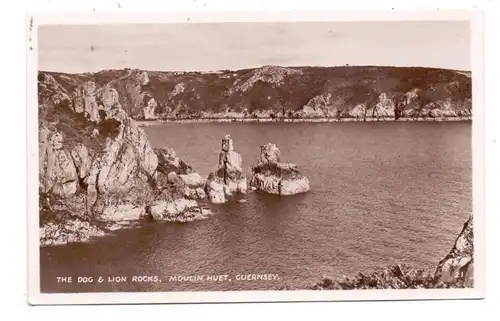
(229, 177)
(179, 210)
(458, 264)
(96, 165)
(68, 231)
(275, 177)
(61, 227)
(172, 170)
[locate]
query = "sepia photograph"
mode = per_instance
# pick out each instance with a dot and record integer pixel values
(289, 159)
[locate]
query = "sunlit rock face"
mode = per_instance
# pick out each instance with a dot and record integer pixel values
(97, 165)
(229, 177)
(275, 177)
(457, 265)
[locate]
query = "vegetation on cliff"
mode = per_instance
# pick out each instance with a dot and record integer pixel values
(399, 276)
(363, 92)
(455, 270)
(96, 166)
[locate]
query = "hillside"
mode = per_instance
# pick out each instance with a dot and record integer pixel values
(281, 92)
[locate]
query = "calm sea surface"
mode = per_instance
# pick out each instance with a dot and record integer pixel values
(381, 193)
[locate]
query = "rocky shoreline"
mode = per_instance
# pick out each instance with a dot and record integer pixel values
(99, 173)
(280, 93)
(78, 204)
(299, 120)
(73, 229)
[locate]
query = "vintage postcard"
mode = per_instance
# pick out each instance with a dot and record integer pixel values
(254, 157)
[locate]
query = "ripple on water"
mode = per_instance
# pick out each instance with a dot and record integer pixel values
(381, 193)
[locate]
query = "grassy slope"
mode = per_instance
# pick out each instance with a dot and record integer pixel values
(217, 92)
(397, 276)
(58, 114)
(393, 277)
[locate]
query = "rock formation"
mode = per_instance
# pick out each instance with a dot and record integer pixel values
(72, 230)
(229, 177)
(97, 166)
(274, 177)
(458, 264)
(172, 170)
(343, 92)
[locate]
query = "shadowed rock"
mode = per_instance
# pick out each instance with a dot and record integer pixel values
(275, 177)
(176, 170)
(229, 177)
(215, 189)
(458, 264)
(169, 162)
(68, 230)
(179, 210)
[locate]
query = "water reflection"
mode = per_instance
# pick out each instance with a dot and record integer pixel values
(380, 193)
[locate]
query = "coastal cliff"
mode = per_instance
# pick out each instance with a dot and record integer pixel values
(97, 169)
(455, 270)
(458, 264)
(360, 93)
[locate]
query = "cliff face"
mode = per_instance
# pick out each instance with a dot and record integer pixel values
(275, 92)
(96, 165)
(458, 263)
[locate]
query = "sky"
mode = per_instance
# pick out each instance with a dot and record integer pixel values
(217, 46)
